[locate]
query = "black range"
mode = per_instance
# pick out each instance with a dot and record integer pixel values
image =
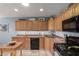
(64, 51)
(70, 48)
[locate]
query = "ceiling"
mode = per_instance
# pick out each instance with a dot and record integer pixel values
(50, 9)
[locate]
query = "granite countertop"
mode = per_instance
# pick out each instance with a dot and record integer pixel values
(50, 36)
(29, 36)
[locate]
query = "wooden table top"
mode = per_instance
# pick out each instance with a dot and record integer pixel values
(18, 44)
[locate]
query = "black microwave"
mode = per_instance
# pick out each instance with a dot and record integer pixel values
(71, 24)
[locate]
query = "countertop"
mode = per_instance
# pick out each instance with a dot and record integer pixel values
(51, 36)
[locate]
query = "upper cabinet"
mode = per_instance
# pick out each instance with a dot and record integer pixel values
(23, 25)
(51, 24)
(43, 25)
(58, 24)
(31, 25)
(70, 12)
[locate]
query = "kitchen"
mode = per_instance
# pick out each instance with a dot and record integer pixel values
(37, 33)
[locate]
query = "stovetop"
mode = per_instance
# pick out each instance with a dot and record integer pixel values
(64, 51)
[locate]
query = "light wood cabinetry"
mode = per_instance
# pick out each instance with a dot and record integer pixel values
(46, 43)
(49, 44)
(43, 25)
(51, 24)
(31, 25)
(42, 39)
(35, 25)
(28, 25)
(58, 24)
(26, 41)
(23, 25)
(72, 11)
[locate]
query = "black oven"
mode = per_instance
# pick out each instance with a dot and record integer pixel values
(70, 48)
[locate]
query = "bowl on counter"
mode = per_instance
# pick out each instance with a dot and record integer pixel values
(12, 43)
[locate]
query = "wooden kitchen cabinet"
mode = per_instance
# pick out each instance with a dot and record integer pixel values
(35, 25)
(43, 25)
(58, 24)
(23, 25)
(46, 43)
(51, 24)
(19, 25)
(31, 25)
(49, 44)
(42, 41)
(70, 12)
(26, 41)
(28, 25)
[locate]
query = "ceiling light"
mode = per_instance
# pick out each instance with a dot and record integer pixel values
(41, 9)
(16, 10)
(25, 4)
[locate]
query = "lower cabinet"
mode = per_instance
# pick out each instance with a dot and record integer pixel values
(27, 41)
(49, 44)
(46, 43)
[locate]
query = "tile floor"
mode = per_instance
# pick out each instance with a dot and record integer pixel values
(31, 53)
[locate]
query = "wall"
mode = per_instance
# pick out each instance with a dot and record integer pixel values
(5, 36)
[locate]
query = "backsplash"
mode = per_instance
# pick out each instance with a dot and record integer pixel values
(33, 33)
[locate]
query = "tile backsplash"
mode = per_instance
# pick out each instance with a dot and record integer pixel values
(33, 33)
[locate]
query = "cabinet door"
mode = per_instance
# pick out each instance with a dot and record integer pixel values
(40, 25)
(42, 42)
(20, 25)
(35, 25)
(45, 25)
(23, 25)
(51, 24)
(17, 25)
(58, 24)
(49, 43)
(27, 43)
(31, 25)
(28, 25)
